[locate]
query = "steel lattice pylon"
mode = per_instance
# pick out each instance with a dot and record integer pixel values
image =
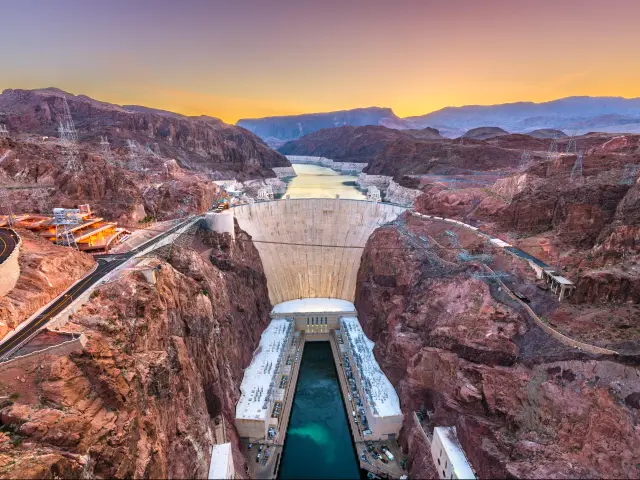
(134, 156)
(630, 174)
(576, 171)
(69, 139)
(552, 152)
(105, 150)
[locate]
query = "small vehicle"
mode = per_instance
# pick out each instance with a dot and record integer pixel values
(258, 457)
(250, 446)
(260, 448)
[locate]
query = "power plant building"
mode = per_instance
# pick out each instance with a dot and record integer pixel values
(379, 398)
(315, 315)
(259, 386)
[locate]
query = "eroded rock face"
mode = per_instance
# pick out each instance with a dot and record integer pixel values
(524, 405)
(161, 362)
(112, 190)
(198, 143)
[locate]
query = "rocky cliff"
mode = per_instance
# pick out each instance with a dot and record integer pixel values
(112, 189)
(524, 404)
(202, 143)
(161, 363)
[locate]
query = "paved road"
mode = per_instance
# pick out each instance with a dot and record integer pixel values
(8, 242)
(106, 264)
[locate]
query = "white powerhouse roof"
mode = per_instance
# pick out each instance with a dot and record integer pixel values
(259, 375)
(381, 395)
(450, 444)
(220, 458)
(309, 305)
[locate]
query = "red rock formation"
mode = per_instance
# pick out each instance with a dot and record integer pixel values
(198, 143)
(113, 191)
(524, 404)
(161, 362)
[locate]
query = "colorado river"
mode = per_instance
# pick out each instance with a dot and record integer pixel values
(313, 181)
(318, 443)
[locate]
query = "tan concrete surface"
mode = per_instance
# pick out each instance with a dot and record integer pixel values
(311, 248)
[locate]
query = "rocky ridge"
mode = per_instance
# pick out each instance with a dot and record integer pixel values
(524, 405)
(176, 347)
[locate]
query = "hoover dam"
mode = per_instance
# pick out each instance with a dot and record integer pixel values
(311, 248)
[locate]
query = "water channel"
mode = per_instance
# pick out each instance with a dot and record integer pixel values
(313, 181)
(318, 442)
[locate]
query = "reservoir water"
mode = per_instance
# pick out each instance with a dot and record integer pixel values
(318, 442)
(321, 182)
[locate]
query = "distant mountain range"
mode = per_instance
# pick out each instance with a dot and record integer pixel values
(275, 131)
(573, 115)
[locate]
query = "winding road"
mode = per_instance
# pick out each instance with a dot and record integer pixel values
(106, 264)
(8, 241)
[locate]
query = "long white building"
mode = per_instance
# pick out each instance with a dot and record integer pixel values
(259, 385)
(381, 403)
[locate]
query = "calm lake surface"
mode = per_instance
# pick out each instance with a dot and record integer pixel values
(321, 182)
(318, 443)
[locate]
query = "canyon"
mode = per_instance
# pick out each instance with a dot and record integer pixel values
(536, 389)
(178, 346)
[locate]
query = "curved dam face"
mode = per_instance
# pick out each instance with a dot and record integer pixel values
(317, 243)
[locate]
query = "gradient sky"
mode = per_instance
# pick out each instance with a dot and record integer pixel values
(236, 59)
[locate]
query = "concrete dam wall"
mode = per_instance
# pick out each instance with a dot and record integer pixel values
(317, 243)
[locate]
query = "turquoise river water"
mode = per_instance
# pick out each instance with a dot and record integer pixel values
(318, 442)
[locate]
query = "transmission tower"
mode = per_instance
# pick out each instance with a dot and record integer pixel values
(6, 207)
(552, 153)
(3, 130)
(69, 139)
(571, 147)
(105, 150)
(630, 174)
(576, 171)
(64, 220)
(134, 156)
(150, 151)
(526, 156)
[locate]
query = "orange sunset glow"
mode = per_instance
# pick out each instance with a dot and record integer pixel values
(289, 57)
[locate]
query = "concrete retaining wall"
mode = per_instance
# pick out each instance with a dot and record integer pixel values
(65, 348)
(284, 172)
(10, 270)
(312, 247)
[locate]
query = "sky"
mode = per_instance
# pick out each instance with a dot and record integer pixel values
(253, 58)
